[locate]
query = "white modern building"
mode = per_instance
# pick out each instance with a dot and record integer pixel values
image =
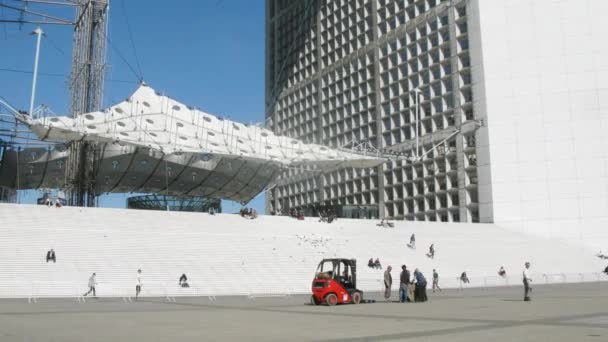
(511, 111)
(540, 75)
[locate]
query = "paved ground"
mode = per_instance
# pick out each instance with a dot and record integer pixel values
(557, 313)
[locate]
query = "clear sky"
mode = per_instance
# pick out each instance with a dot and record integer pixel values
(204, 53)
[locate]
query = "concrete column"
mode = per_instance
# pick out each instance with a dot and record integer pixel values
(462, 193)
(379, 141)
(319, 109)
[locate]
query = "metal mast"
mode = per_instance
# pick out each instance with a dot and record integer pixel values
(86, 79)
(86, 88)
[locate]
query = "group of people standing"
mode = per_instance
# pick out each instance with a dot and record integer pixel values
(411, 289)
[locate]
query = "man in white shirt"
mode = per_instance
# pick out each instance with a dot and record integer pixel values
(527, 281)
(92, 283)
(138, 284)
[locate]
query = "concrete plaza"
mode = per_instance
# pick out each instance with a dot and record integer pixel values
(570, 312)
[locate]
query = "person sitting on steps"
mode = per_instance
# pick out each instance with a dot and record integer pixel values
(464, 278)
(50, 255)
(183, 281)
(385, 224)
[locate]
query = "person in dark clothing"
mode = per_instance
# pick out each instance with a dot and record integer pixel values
(403, 284)
(420, 291)
(183, 281)
(527, 282)
(606, 270)
(370, 263)
(431, 251)
(464, 278)
(50, 255)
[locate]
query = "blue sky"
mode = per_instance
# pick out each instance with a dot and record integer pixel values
(205, 53)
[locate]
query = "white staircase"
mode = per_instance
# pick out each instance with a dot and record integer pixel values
(228, 255)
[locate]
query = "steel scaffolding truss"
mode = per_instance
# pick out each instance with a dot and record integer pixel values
(86, 88)
(86, 79)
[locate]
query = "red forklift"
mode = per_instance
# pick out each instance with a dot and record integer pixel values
(336, 283)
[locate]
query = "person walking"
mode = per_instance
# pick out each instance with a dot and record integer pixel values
(413, 241)
(388, 282)
(436, 281)
(92, 283)
(138, 284)
(404, 282)
(431, 251)
(527, 281)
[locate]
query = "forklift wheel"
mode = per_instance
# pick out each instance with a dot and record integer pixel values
(356, 298)
(331, 299)
(314, 301)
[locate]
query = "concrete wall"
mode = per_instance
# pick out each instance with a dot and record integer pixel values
(545, 88)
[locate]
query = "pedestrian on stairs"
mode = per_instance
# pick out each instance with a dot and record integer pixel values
(138, 284)
(412, 241)
(92, 283)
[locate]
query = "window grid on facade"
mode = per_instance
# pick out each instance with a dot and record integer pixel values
(366, 59)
